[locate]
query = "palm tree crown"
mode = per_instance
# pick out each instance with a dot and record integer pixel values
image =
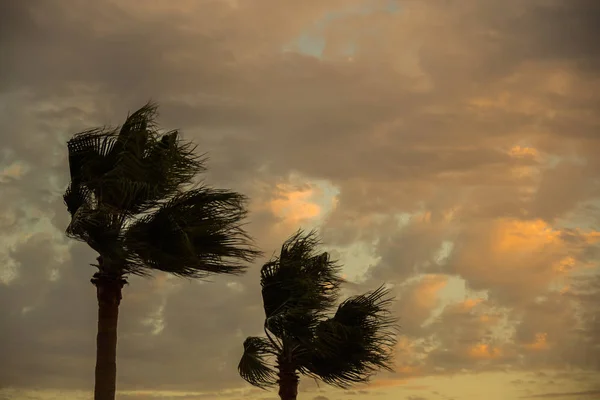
(131, 199)
(127, 201)
(300, 289)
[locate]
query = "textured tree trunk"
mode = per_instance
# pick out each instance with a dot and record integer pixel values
(108, 291)
(288, 381)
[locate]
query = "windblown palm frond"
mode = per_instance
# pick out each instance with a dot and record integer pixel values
(132, 168)
(356, 342)
(100, 229)
(299, 286)
(194, 234)
(254, 365)
(125, 201)
(91, 154)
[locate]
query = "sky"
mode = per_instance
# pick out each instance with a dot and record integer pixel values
(448, 148)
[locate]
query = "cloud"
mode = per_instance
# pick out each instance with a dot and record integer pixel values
(531, 248)
(417, 301)
(462, 171)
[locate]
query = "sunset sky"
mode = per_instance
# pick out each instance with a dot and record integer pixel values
(447, 147)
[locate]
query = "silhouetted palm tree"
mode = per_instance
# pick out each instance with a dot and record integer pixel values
(299, 290)
(128, 201)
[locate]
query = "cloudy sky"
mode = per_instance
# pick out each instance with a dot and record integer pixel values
(447, 147)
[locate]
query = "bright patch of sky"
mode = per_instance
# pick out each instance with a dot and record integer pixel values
(312, 41)
(356, 260)
(328, 194)
(444, 252)
(155, 321)
(455, 291)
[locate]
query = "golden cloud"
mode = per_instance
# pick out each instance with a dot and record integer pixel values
(484, 352)
(293, 205)
(426, 293)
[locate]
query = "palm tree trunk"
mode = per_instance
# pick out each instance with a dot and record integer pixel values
(288, 381)
(108, 291)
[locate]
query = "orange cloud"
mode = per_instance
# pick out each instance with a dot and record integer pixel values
(484, 352)
(469, 304)
(539, 343)
(520, 258)
(512, 236)
(518, 151)
(297, 202)
(294, 205)
(526, 239)
(425, 295)
(590, 237)
(422, 218)
(565, 265)
(418, 300)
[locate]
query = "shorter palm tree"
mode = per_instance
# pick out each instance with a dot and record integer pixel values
(300, 289)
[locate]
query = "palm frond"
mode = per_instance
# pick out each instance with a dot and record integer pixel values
(119, 177)
(134, 167)
(194, 234)
(355, 343)
(100, 229)
(298, 286)
(300, 246)
(295, 324)
(173, 158)
(77, 196)
(91, 154)
(142, 120)
(143, 176)
(254, 365)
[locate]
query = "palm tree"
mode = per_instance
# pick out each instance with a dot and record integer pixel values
(132, 200)
(300, 289)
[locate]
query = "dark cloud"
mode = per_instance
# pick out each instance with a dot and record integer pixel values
(562, 30)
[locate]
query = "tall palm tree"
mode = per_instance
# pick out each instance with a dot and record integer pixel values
(132, 200)
(300, 289)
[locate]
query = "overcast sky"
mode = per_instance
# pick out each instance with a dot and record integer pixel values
(447, 147)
